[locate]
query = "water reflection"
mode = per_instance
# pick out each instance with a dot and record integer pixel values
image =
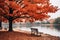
(57, 26)
(46, 30)
(52, 29)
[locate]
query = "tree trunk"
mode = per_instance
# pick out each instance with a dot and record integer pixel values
(10, 19)
(0, 25)
(10, 25)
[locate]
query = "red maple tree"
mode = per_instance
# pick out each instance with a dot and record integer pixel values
(28, 9)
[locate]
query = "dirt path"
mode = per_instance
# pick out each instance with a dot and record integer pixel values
(23, 36)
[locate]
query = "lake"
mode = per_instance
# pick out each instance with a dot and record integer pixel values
(41, 28)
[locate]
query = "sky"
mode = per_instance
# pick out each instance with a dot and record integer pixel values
(56, 14)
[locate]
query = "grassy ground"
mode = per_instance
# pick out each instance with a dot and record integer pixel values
(5, 35)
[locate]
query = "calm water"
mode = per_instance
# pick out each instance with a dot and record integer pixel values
(44, 29)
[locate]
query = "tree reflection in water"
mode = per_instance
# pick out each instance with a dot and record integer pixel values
(57, 26)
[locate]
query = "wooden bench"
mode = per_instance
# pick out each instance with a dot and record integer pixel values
(34, 31)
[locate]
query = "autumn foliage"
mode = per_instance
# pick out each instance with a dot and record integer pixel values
(26, 9)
